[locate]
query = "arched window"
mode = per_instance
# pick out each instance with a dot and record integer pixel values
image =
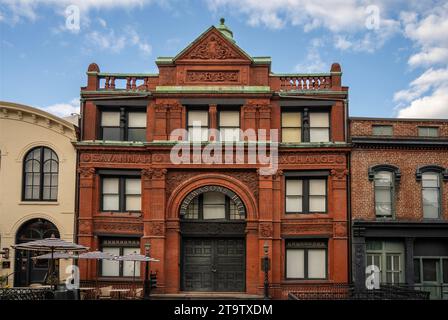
(431, 177)
(213, 206)
(384, 177)
(40, 175)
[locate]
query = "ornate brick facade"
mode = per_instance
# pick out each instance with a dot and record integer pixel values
(212, 71)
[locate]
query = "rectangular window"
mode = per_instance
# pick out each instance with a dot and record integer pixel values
(123, 124)
(306, 259)
(305, 195)
(431, 195)
(319, 127)
(445, 270)
(229, 125)
(382, 130)
(430, 270)
(383, 193)
(393, 268)
(120, 247)
(214, 205)
(304, 126)
(428, 131)
(121, 194)
(291, 127)
(197, 125)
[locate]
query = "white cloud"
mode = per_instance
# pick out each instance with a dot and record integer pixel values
(427, 95)
(63, 109)
(27, 9)
(109, 40)
(313, 61)
(434, 105)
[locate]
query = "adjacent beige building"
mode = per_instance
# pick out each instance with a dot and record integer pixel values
(37, 187)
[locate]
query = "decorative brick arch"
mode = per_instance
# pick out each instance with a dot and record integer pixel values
(240, 189)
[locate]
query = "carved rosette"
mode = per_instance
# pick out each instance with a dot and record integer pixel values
(85, 227)
(265, 229)
(157, 228)
(340, 229)
(339, 174)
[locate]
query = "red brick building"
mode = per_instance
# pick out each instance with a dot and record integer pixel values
(208, 224)
(399, 202)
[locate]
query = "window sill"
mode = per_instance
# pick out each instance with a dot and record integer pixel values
(39, 203)
(306, 281)
(119, 214)
(305, 215)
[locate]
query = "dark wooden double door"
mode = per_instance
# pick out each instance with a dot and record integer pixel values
(213, 264)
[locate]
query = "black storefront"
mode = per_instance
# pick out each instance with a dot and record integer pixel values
(407, 254)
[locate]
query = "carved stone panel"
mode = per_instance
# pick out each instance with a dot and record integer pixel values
(197, 76)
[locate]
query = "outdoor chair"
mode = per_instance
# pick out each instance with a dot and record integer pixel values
(105, 293)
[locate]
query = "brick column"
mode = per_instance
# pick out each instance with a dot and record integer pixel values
(338, 208)
(160, 125)
(265, 234)
(154, 220)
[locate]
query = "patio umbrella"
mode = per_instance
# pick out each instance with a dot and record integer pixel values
(96, 255)
(56, 255)
(135, 257)
(51, 245)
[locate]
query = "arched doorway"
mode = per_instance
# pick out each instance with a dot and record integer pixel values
(26, 269)
(213, 240)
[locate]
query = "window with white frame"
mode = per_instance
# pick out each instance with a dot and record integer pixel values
(121, 194)
(306, 259)
(292, 127)
(305, 195)
(388, 256)
(428, 131)
(120, 247)
(384, 189)
(305, 126)
(198, 125)
(431, 195)
(319, 127)
(229, 125)
(123, 124)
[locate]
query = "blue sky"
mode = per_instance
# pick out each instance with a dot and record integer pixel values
(394, 54)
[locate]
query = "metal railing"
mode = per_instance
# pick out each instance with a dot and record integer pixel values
(348, 292)
(26, 294)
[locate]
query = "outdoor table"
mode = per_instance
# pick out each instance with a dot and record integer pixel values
(119, 291)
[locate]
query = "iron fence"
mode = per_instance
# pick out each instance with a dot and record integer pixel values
(349, 292)
(26, 294)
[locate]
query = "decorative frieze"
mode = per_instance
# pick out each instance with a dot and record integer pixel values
(296, 228)
(212, 76)
(213, 48)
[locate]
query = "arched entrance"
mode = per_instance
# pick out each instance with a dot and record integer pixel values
(26, 269)
(213, 240)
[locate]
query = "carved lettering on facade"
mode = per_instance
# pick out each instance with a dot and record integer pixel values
(311, 159)
(116, 158)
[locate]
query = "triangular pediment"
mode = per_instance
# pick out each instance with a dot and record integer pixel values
(210, 46)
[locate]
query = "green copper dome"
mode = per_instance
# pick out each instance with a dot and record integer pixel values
(225, 30)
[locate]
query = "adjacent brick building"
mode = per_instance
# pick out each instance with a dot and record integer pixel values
(209, 224)
(399, 201)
